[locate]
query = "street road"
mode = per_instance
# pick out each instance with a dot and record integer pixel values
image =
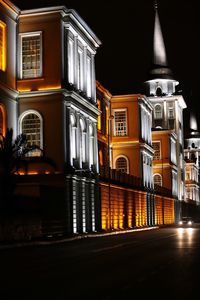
(161, 263)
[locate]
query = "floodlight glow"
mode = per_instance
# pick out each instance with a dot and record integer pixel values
(2, 46)
(193, 122)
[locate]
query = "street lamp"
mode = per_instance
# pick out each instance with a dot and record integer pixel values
(110, 118)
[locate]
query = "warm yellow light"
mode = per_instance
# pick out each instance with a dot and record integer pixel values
(32, 173)
(7, 6)
(28, 173)
(99, 117)
(19, 173)
(2, 46)
(24, 90)
(46, 88)
(107, 120)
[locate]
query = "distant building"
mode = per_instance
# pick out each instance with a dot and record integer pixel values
(192, 163)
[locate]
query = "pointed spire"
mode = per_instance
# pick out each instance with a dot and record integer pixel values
(159, 52)
(193, 121)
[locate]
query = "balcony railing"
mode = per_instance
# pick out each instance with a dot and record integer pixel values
(117, 177)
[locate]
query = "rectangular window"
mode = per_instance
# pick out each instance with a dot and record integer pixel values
(120, 119)
(156, 148)
(2, 46)
(171, 113)
(31, 55)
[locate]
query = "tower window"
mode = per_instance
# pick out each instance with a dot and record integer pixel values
(158, 92)
(158, 111)
(171, 113)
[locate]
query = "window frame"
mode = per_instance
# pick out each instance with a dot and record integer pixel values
(32, 111)
(120, 110)
(160, 156)
(127, 161)
(161, 111)
(30, 34)
(161, 179)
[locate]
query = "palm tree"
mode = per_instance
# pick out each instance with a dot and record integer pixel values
(12, 153)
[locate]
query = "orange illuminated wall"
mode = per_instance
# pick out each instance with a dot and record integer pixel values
(163, 166)
(125, 208)
(164, 210)
(168, 211)
(51, 63)
(129, 144)
(2, 46)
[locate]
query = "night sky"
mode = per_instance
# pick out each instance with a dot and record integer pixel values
(125, 29)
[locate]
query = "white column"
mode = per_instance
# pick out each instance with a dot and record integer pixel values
(76, 61)
(85, 69)
(93, 79)
(78, 137)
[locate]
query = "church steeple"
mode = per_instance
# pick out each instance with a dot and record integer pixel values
(159, 52)
(161, 81)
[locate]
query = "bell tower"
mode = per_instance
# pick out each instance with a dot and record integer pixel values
(167, 125)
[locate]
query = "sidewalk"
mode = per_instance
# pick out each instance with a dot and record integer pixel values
(52, 240)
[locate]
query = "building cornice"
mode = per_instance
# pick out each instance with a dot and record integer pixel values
(68, 16)
(9, 91)
(13, 10)
(82, 101)
(178, 98)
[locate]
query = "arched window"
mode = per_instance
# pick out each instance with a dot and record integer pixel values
(32, 126)
(158, 91)
(157, 179)
(82, 141)
(158, 111)
(121, 164)
(73, 137)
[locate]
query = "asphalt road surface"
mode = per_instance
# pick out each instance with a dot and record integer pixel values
(157, 264)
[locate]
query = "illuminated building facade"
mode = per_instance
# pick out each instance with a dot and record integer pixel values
(48, 92)
(128, 197)
(51, 95)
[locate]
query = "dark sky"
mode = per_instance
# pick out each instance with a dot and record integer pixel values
(125, 29)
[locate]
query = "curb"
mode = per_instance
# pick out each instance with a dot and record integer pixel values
(78, 237)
